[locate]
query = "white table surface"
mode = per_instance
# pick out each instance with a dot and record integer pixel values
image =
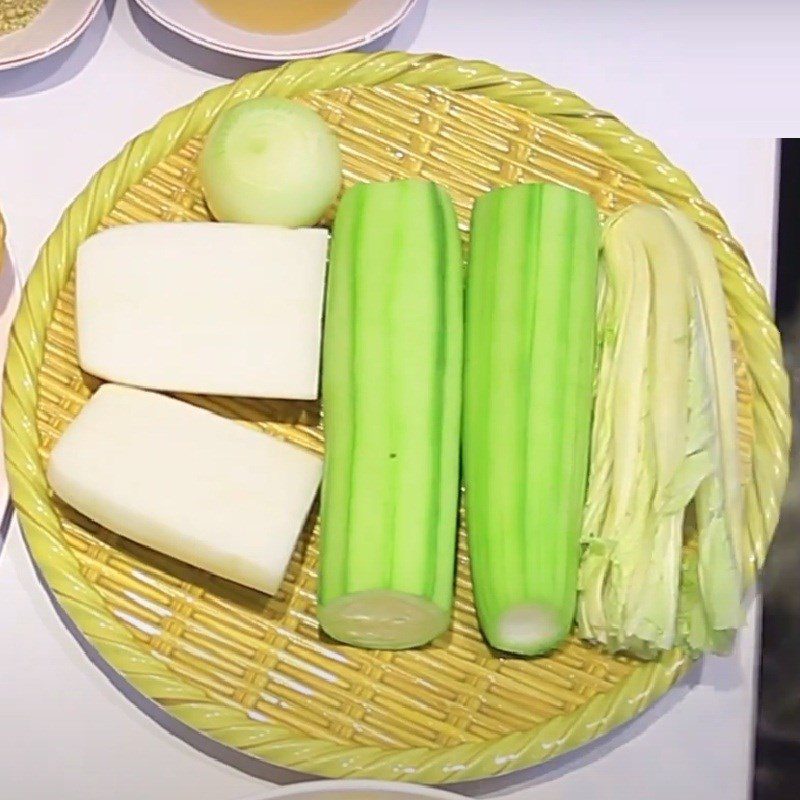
(66, 730)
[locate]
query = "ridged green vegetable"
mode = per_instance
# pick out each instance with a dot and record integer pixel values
(391, 391)
(530, 326)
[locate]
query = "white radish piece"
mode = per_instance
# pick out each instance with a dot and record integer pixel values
(203, 307)
(186, 482)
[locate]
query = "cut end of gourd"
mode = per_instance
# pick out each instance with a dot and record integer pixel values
(528, 628)
(383, 619)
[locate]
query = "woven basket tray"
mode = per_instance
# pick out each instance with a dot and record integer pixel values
(253, 672)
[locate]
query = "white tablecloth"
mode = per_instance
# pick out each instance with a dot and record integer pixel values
(66, 730)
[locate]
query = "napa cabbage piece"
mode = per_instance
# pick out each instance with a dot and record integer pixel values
(664, 455)
(719, 502)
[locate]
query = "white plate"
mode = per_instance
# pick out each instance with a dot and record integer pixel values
(59, 24)
(9, 300)
(364, 22)
(356, 790)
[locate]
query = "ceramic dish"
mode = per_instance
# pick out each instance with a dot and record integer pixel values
(59, 24)
(254, 672)
(9, 299)
(357, 790)
(364, 22)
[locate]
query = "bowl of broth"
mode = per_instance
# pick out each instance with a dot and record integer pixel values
(276, 29)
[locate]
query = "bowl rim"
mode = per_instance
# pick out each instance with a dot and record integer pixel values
(324, 787)
(267, 54)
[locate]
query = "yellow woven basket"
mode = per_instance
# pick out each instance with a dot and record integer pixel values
(254, 672)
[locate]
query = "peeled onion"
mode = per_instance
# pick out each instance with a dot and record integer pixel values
(270, 161)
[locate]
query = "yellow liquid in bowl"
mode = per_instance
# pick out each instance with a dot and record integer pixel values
(278, 16)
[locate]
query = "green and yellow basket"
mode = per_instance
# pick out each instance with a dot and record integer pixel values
(253, 672)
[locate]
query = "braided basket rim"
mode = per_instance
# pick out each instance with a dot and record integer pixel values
(230, 725)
